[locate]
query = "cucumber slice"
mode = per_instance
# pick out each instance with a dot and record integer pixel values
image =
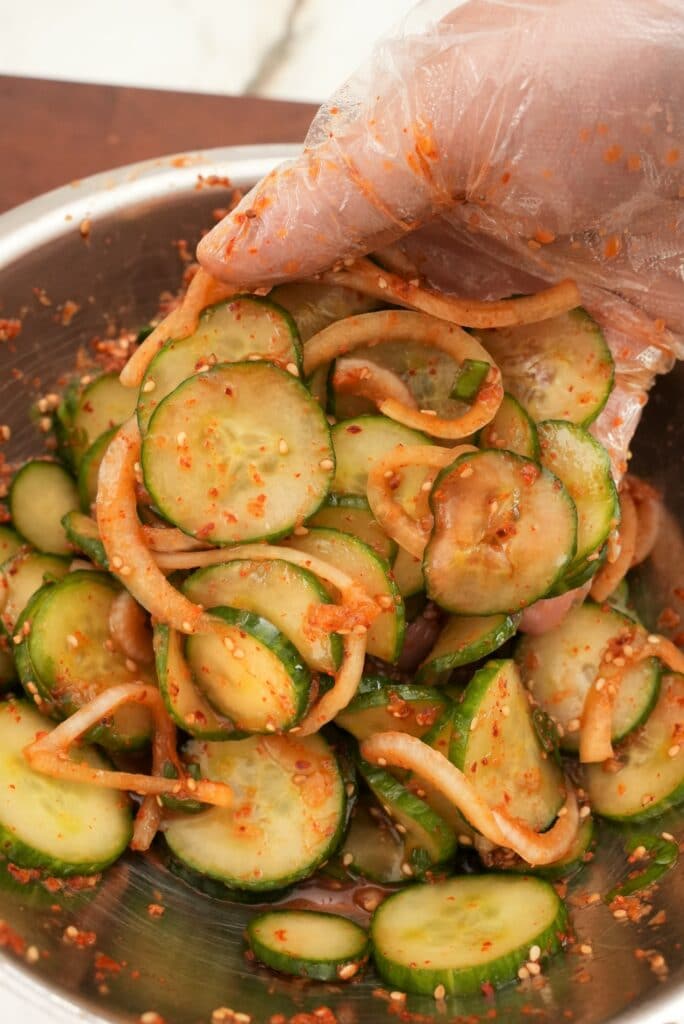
(504, 532)
(350, 513)
(465, 932)
(360, 442)
(463, 640)
(183, 699)
(308, 944)
(314, 305)
(381, 705)
(241, 329)
(288, 816)
(439, 738)
(222, 471)
(251, 674)
(561, 665)
(558, 369)
(376, 848)
(10, 543)
(278, 591)
(408, 574)
(68, 655)
(574, 860)
(494, 742)
(386, 635)
(24, 574)
(428, 839)
(103, 404)
(84, 535)
(651, 777)
(582, 463)
(89, 469)
(41, 493)
(469, 379)
(511, 429)
(67, 828)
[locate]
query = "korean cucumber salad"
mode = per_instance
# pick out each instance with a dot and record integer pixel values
(343, 568)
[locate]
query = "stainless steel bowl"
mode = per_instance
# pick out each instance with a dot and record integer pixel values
(189, 962)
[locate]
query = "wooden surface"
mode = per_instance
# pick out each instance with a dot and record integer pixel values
(54, 132)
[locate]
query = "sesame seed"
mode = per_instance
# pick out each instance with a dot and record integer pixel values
(505, 710)
(45, 424)
(534, 969)
(428, 412)
(535, 953)
(674, 750)
(348, 859)
(653, 639)
(398, 997)
(619, 914)
(326, 464)
(523, 974)
(125, 570)
(388, 474)
(283, 446)
(629, 650)
(599, 684)
(382, 761)
(401, 829)
(382, 282)
(186, 626)
(228, 643)
(427, 486)
(270, 727)
(242, 1018)
(300, 531)
(465, 840)
(32, 955)
(131, 665)
(149, 385)
(359, 629)
(348, 971)
(385, 601)
(563, 811)
(116, 561)
(406, 869)
(5, 432)
(639, 853)
(586, 949)
(439, 992)
(573, 725)
(222, 1014)
(473, 724)
(585, 811)
(181, 438)
(291, 368)
(466, 471)
(667, 836)
(657, 962)
(151, 1017)
(350, 789)
(238, 653)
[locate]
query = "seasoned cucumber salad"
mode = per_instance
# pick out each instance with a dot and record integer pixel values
(331, 581)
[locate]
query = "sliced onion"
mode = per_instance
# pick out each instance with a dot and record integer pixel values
(49, 753)
(649, 512)
(613, 572)
(395, 521)
(203, 291)
(121, 533)
(368, 380)
(366, 277)
(347, 679)
(400, 750)
(163, 538)
(129, 629)
(369, 329)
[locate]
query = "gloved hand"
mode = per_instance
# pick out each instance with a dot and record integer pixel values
(508, 143)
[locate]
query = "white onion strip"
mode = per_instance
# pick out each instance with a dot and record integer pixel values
(395, 520)
(400, 750)
(370, 329)
(121, 534)
(347, 679)
(169, 538)
(366, 277)
(129, 628)
(368, 380)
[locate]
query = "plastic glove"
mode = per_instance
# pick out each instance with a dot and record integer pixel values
(505, 144)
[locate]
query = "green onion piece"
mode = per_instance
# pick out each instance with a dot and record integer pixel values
(469, 379)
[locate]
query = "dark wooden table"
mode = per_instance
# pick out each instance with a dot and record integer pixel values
(54, 132)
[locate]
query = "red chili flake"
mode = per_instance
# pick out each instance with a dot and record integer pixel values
(9, 328)
(156, 910)
(23, 875)
(9, 939)
(668, 619)
(106, 964)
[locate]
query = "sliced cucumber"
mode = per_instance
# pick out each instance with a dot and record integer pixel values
(84, 535)
(558, 369)
(24, 574)
(511, 429)
(381, 706)
(10, 543)
(463, 640)
(68, 655)
(40, 495)
(103, 404)
(278, 591)
(428, 839)
(464, 933)
(504, 532)
(650, 778)
(360, 442)
(560, 666)
(408, 574)
(184, 701)
(576, 857)
(314, 305)
(439, 738)
(351, 513)
(245, 327)
(89, 469)
(287, 818)
(67, 828)
(221, 470)
(308, 944)
(582, 463)
(495, 744)
(373, 848)
(386, 635)
(251, 673)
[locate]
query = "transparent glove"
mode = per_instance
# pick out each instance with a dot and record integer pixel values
(502, 144)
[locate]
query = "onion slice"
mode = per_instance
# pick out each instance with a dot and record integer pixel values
(170, 538)
(649, 511)
(409, 533)
(370, 329)
(121, 533)
(347, 679)
(130, 629)
(368, 380)
(613, 572)
(366, 277)
(203, 291)
(400, 750)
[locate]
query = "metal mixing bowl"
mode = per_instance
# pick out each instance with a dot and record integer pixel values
(190, 961)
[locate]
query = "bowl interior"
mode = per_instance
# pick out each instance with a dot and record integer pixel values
(189, 961)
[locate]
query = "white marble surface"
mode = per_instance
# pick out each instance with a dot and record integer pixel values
(291, 49)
